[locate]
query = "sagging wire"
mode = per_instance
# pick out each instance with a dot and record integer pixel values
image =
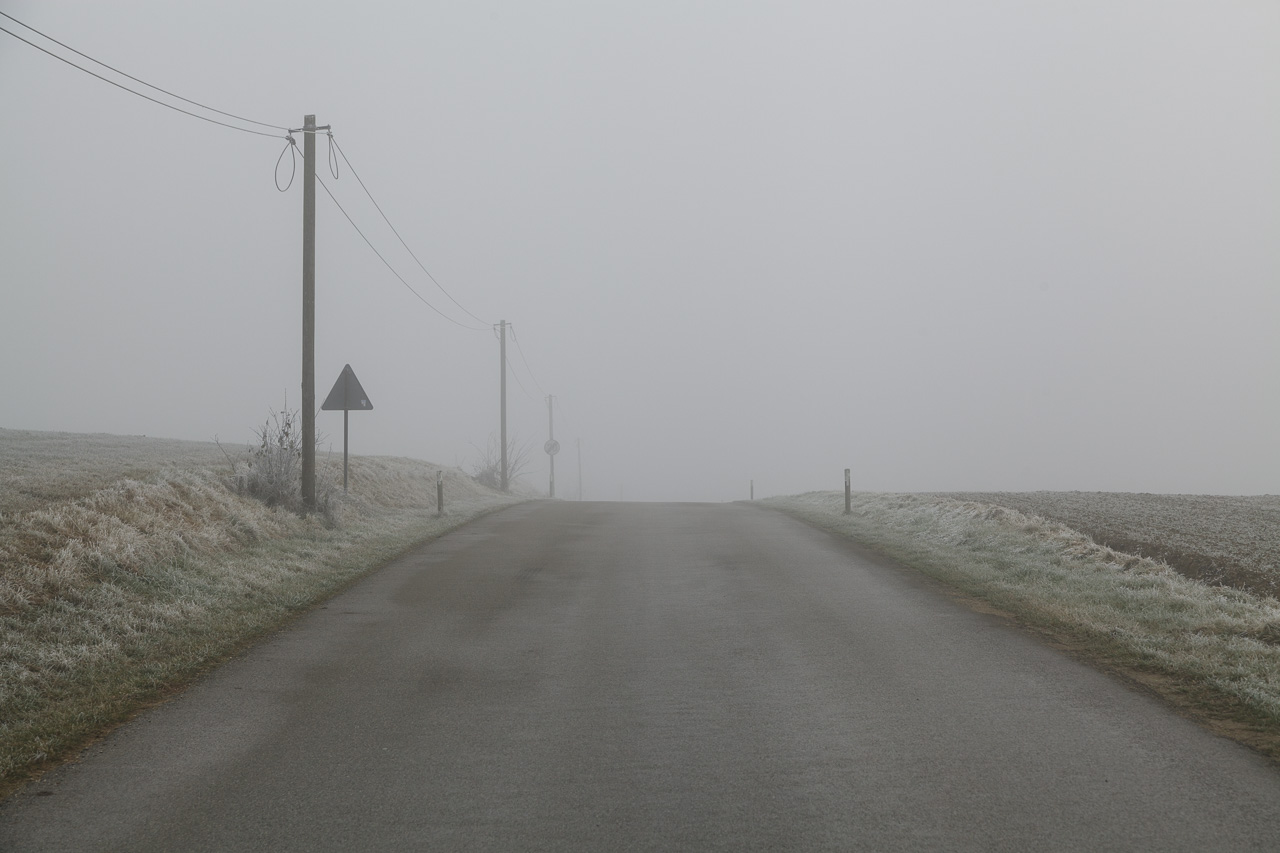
(141, 95)
(385, 219)
(523, 358)
(387, 263)
(292, 147)
(131, 77)
(516, 377)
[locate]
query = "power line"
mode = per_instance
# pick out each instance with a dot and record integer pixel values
(137, 80)
(397, 233)
(516, 377)
(135, 92)
(520, 348)
(568, 421)
(291, 146)
(388, 263)
(529, 369)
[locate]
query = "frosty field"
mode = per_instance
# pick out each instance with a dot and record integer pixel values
(39, 467)
(1221, 540)
(127, 567)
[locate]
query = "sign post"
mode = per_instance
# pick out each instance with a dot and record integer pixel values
(552, 447)
(346, 395)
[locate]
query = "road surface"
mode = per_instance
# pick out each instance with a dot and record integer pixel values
(565, 676)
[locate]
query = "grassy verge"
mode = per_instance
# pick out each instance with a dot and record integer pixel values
(113, 600)
(1213, 652)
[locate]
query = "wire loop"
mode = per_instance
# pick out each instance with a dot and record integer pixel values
(292, 148)
(333, 158)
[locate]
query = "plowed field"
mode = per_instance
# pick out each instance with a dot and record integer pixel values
(1220, 540)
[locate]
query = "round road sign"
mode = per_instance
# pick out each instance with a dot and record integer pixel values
(552, 447)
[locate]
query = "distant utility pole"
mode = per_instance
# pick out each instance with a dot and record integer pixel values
(309, 312)
(502, 352)
(551, 439)
(579, 468)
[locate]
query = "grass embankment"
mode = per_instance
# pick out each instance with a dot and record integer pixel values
(1212, 651)
(113, 599)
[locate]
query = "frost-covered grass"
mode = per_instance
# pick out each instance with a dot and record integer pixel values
(1223, 540)
(39, 467)
(112, 597)
(1212, 650)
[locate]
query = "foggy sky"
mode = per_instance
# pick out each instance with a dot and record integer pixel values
(980, 246)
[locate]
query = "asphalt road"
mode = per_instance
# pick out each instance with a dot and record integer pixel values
(652, 677)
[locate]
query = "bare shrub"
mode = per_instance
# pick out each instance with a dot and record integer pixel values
(487, 469)
(272, 469)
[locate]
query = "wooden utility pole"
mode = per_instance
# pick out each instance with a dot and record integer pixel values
(579, 468)
(309, 312)
(502, 351)
(346, 413)
(551, 437)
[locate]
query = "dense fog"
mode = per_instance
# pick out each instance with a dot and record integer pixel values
(950, 246)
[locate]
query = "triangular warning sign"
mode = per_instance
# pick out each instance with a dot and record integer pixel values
(347, 394)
